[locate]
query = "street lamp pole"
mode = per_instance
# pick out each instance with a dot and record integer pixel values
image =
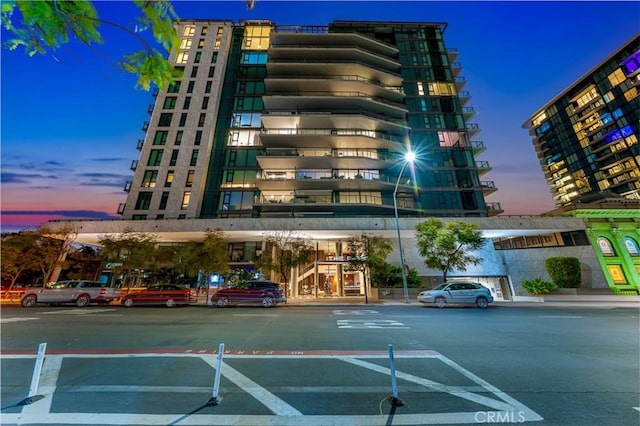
(408, 159)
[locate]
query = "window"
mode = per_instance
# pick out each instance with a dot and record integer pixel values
(214, 57)
(174, 157)
(194, 158)
(155, 157)
(200, 43)
(212, 71)
(605, 247)
(161, 137)
(254, 58)
(616, 77)
(617, 274)
(165, 119)
(198, 137)
(220, 32)
(205, 102)
(185, 200)
(190, 175)
(204, 30)
(170, 102)
(164, 199)
(216, 44)
(190, 87)
(197, 58)
(208, 87)
(189, 30)
(185, 43)
(194, 72)
(174, 87)
(182, 58)
(178, 140)
(183, 119)
(149, 179)
(144, 200)
(169, 180)
(632, 246)
(187, 102)
(201, 119)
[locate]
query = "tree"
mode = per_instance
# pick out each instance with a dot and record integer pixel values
(40, 26)
(53, 247)
(365, 253)
(448, 246)
(202, 258)
(128, 251)
(284, 251)
(18, 255)
(388, 275)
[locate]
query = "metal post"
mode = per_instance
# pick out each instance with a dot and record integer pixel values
(395, 401)
(216, 381)
(395, 210)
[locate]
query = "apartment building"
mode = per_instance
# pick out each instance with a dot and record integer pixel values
(586, 137)
(274, 121)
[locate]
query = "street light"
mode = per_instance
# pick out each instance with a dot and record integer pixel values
(409, 157)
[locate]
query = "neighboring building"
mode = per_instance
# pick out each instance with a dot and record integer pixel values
(310, 121)
(587, 136)
(587, 142)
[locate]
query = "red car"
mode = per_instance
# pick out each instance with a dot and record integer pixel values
(266, 293)
(169, 295)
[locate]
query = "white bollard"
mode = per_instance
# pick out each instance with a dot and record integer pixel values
(35, 379)
(216, 381)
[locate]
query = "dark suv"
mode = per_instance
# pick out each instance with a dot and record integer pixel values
(263, 292)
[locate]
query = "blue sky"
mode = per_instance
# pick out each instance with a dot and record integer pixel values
(71, 118)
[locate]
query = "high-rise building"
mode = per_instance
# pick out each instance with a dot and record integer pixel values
(310, 121)
(587, 136)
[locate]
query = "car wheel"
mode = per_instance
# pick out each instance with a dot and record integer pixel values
(29, 301)
(267, 301)
(82, 301)
(222, 303)
(441, 302)
(170, 303)
(482, 302)
(128, 303)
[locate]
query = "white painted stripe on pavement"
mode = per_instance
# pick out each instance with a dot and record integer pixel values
(17, 319)
(262, 395)
(560, 316)
(439, 387)
(48, 380)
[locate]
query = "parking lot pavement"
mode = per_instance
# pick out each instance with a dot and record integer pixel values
(255, 388)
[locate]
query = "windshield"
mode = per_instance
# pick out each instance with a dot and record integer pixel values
(440, 287)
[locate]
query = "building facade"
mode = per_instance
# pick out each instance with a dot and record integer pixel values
(586, 137)
(310, 121)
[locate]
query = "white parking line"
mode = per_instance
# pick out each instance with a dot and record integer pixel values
(17, 319)
(560, 316)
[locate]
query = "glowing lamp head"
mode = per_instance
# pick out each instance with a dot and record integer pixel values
(410, 157)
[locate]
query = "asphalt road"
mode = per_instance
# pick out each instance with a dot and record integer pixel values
(322, 365)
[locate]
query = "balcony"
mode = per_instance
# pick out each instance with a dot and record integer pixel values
(468, 112)
(328, 180)
(121, 207)
(494, 209)
(127, 186)
(464, 97)
(155, 92)
(456, 68)
(472, 128)
(150, 109)
(452, 54)
(342, 159)
(134, 165)
(140, 144)
(145, 126)
(460, 82)
(478, 147)
(488, 187)
(331, 119)
(330, 138)
(483, 167)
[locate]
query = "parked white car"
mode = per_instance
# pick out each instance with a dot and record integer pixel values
(457, 292)
(79, 292)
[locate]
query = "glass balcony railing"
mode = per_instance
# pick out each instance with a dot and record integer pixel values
(134, 165)
(334, 132)
(140, 144)
(121, 208)
(127, 186)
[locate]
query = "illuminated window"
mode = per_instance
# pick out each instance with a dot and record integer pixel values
(539, 119)
(185, 43)
(200, 43)
(616, 273)
(189, 30)
(256, 37)
(182, 58)
(616, 77)
(190, 176)
(185, 200)
(204, 30)
(441, 89)
(149, 179)
(631, 94)
(420, 89)
(632, 246)
(605, 247)
(216, 44)
(169, 180)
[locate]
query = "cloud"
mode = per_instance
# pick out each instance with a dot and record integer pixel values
(9, 177)
(79, 214)
(108, 160)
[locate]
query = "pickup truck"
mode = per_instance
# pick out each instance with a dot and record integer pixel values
(80, 292)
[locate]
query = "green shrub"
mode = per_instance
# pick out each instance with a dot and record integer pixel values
(538, 286)
(564, 271)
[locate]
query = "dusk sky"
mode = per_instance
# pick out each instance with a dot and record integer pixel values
(71, 118)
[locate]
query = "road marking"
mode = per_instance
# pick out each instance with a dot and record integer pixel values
(285, 415)
(269, 400)
(355, 312)
(17, 319)
(78, 311)
(560, 316)
(256, 315)
(636, 408)
(371, 324)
